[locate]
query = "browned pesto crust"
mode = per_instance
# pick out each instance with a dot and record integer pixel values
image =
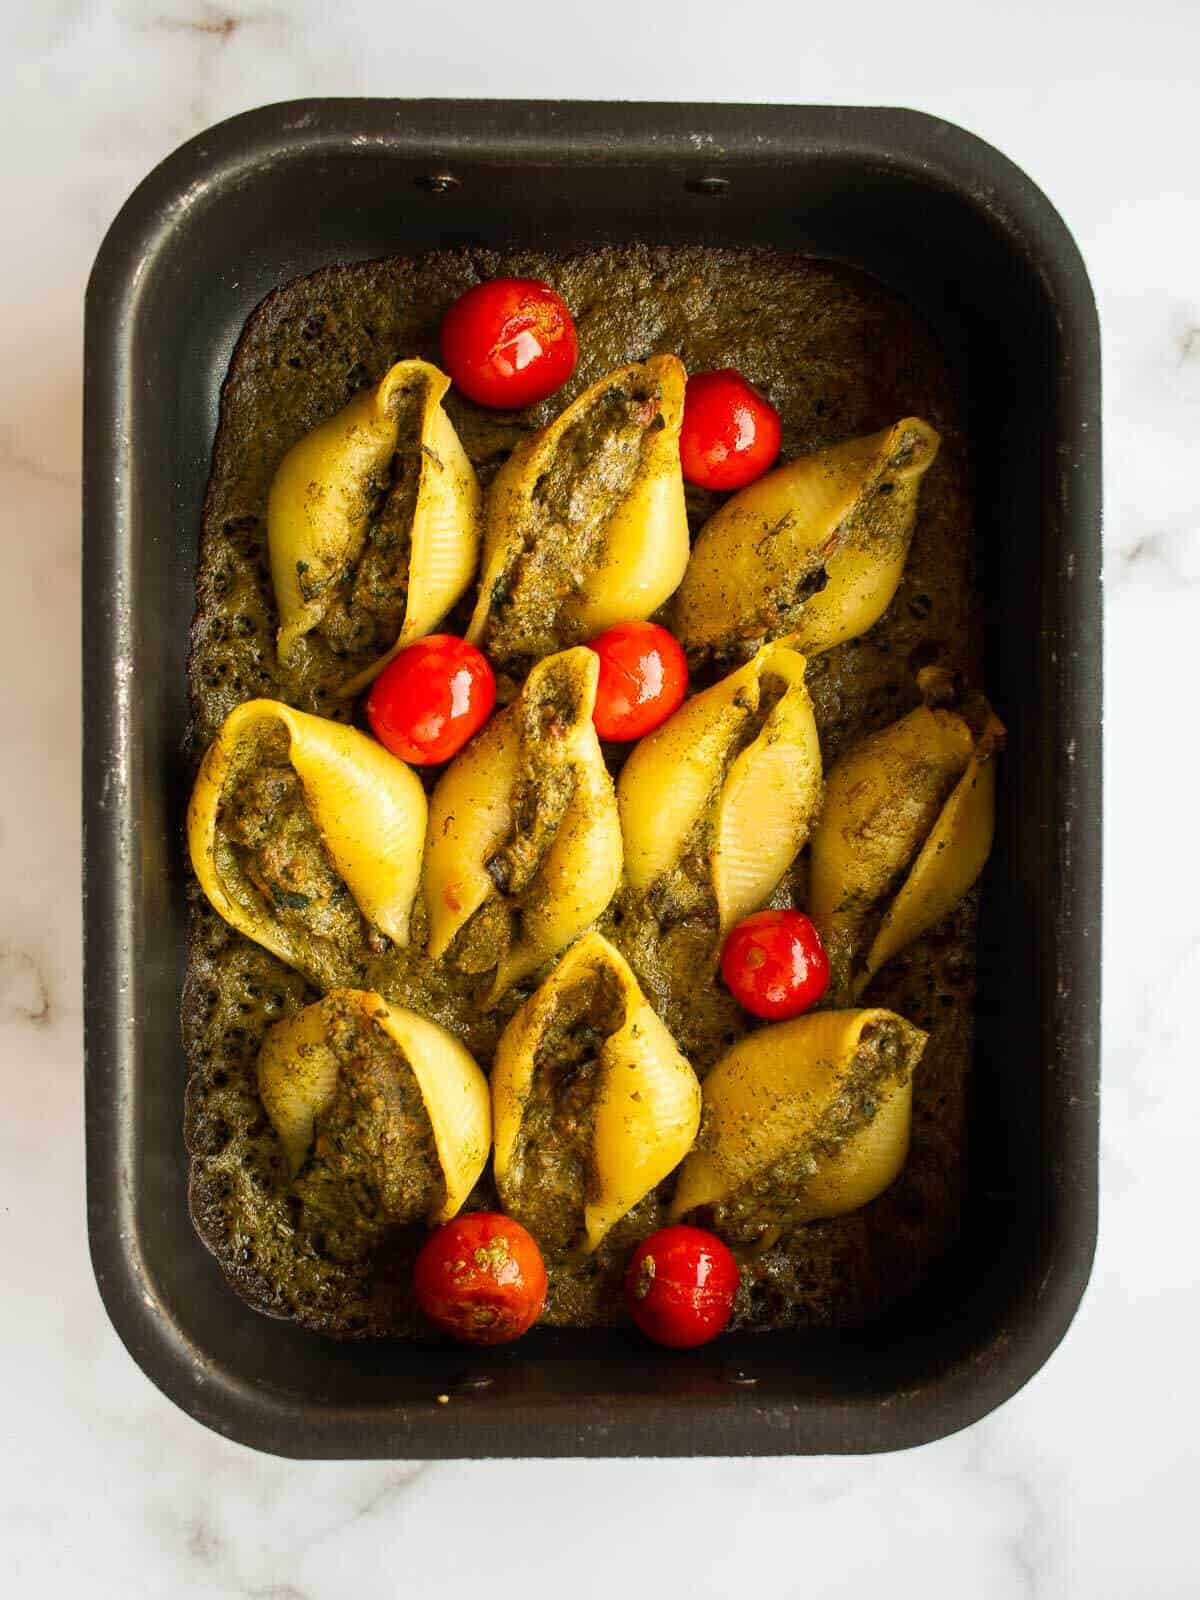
(839, 356)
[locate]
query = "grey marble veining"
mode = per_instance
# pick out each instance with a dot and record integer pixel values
(1083, 1487)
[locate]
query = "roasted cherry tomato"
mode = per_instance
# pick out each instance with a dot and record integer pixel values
(643, 678)
(429, 700)
(481, 1278)
(730, 433)
(775, 964)
(509, 342)
(680, 1286)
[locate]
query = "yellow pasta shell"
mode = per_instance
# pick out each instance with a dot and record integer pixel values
(849, 510)
(368, 807)
(472, 813)
(298, 1078)
(647, 1105)
(906, 826)
(581, 873)
(799, 1092)
(322, 498)
(952, 857)
(641, 552)
(758, 807)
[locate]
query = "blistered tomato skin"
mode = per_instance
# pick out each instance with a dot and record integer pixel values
(481, 1278)
(431, 698)
(643, 679)
(680, 1286)
(731, 434)
(509, 342)
(775, 965)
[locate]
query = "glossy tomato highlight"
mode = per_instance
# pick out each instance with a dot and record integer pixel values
(429, 700)
(680, 1286)
(775, 965)
(731, 434)
(509, 342)
(643, 679)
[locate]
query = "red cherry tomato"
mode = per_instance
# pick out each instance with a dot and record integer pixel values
(643, 678)
(429, 700)
(680, 1286)
(730, 434)
(481, 1278)
(509, 342)
(775, 964)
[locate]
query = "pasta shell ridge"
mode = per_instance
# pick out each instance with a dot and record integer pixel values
(526, 819)
(300, 1077)
(367, 806)
(905, 830)
(603, 553)
(818, 1107)
(323, 500)
(812, 552)
(646, 1096)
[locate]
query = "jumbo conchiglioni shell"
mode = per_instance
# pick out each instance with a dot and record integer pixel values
(813, 550)
(803, 1120)
(645, 1101)
(748, 817)
(367, 807)
(905, 831)
(323, 504)
(562, 563)
(297, 1079)
(525, 819)
(303, 1066)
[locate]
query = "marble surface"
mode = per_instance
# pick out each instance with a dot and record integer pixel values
(1084, 1485)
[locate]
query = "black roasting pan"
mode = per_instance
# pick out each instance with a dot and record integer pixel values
(967, 237)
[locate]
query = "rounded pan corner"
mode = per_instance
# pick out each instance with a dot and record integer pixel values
(996, 183)
(256, 1418)
(163, 196)
(193, 173)
(154, 1344)
(1010, 1359)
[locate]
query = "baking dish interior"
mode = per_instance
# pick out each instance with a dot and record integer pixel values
(186, 263)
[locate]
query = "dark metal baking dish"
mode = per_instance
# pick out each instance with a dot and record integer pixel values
(965, 236)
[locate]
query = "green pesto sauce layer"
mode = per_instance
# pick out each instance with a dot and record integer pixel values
(839, 356)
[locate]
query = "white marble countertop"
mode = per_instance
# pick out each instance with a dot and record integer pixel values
(1085, 1484)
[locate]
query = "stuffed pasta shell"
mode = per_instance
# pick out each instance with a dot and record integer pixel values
(717, 803)
(374, 523)
(383, 1116)
(802, 1120)
(586, 523)
(306, 836)
(814, 550)
(592, 1103)
(524, 844)
(906, 828)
